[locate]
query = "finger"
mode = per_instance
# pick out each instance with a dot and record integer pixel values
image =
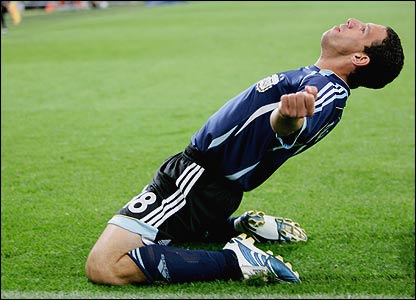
(313, 90)
(300, 104)
(292, 108)
(284, 105)
(310, 106)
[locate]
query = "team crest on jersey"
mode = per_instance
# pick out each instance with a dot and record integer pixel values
(266, 83)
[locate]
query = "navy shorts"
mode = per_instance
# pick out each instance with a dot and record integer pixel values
(185, 202)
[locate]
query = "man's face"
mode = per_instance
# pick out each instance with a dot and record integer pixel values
(352, 37)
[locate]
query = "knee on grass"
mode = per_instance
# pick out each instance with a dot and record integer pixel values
(123, 271)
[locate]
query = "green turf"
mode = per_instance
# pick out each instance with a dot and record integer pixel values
(93, 101)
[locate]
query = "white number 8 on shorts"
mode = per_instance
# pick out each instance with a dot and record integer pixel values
(139, 203)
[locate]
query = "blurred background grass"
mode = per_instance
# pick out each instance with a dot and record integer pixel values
(93, 101)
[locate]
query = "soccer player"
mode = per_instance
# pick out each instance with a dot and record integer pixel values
(194, 193)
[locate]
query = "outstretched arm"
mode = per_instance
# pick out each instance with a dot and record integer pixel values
(289, 116)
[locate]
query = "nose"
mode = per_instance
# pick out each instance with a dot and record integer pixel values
(351, 22)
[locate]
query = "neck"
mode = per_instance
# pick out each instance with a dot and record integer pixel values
(337, 66)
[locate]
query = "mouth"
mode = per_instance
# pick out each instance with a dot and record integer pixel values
(342, 27)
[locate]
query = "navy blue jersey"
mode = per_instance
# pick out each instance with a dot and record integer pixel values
(240, 139)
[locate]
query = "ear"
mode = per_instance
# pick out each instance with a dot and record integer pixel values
(360, 59)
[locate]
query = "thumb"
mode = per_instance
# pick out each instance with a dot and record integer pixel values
(312, 90)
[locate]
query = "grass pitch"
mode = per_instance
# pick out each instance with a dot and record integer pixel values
(93, 101)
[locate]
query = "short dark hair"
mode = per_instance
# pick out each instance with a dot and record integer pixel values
(386, 62)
